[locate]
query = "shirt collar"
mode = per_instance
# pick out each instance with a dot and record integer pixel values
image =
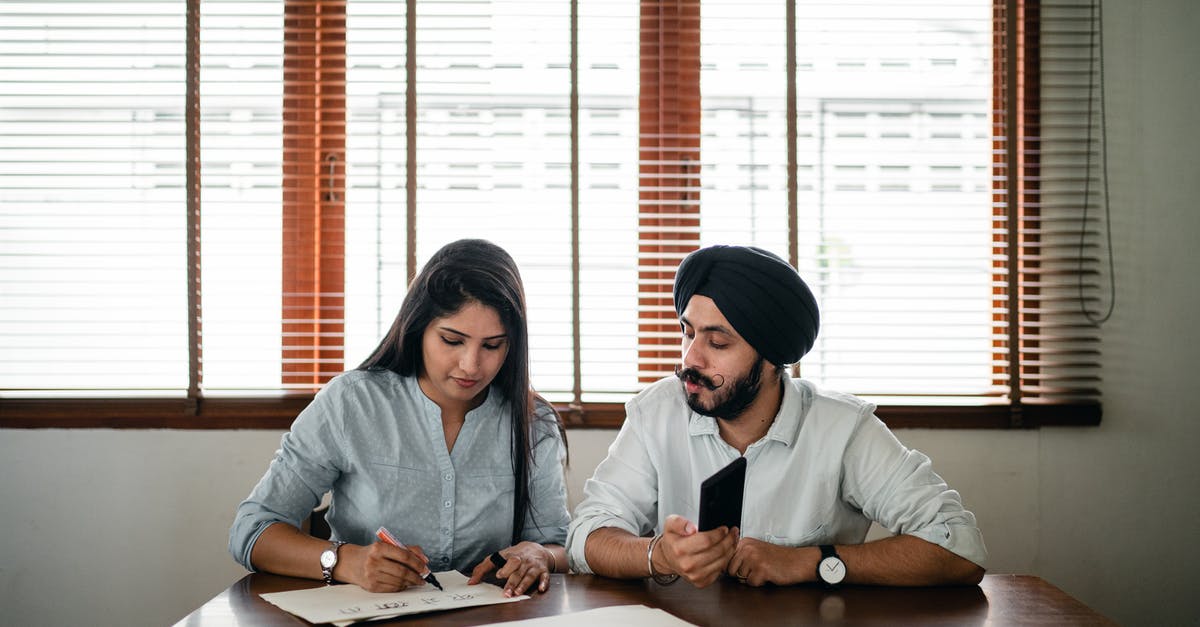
(699, 424)
(786, 426)
(784, 429)
(491, 404)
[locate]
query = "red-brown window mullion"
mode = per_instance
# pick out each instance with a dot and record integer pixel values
(314, 132)
(669, 157)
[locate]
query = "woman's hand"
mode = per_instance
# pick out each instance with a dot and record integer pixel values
(527, 563)
(381, 567)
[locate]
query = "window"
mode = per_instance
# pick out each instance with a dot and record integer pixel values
(210, 207)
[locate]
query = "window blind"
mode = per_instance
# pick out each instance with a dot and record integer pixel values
(91, 199)
(313, 209)
(894, 190)
(893, 178)
(609, 207)
(669, 127)
(1065, 273)
(241, 194)
(493, 141)
(341, 143)
(376, 158)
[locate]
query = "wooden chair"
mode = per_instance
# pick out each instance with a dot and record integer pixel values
(315, 525)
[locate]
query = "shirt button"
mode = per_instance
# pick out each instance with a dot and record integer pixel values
(447, 504)
(445, 532)
(447, 476)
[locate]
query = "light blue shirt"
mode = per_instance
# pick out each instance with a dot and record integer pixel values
(825, 469)
(375, 441)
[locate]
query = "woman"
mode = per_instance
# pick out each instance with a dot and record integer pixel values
(437, 436)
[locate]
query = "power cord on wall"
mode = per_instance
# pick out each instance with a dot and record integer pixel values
(1096, 49)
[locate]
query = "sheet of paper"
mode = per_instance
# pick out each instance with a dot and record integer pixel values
(639, 615)
(345, 604)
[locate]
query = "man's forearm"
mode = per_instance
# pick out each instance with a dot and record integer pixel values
(616, 553)
(905, 561)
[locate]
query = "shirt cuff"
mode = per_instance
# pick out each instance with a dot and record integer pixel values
(248, 546)
(962, 540)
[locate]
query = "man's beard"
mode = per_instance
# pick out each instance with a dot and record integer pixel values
(733, 400)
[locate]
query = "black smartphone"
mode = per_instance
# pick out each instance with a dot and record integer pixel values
(721, 496)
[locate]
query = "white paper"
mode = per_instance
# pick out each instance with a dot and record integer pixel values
(345, 604)
(639, 615)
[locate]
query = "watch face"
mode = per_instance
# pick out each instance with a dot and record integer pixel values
(832, 570)
(328, 558)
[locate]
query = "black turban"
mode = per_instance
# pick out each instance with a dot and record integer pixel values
(760, 294)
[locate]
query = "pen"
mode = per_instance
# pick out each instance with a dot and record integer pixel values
(385, 535)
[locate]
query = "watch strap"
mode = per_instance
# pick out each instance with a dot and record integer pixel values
(827, 550)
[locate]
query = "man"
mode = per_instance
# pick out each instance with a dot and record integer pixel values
(820, 468)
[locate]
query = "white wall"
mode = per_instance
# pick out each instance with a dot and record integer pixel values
(129, 527)
(1120, 505)
(105, 517)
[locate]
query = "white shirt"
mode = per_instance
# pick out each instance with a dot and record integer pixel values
(826, 468)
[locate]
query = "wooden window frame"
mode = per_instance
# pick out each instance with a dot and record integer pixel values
(312, 208)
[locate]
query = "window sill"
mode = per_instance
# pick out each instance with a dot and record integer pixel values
(278, 413)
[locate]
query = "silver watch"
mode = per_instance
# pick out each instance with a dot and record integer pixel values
(329, 559)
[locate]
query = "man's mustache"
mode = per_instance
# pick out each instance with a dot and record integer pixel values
(691, 375)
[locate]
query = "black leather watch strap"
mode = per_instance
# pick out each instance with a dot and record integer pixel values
(827, 550)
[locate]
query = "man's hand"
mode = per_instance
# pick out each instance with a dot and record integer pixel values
(756, 563)
(699, 557)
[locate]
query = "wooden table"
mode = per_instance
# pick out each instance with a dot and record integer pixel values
(1000, 599)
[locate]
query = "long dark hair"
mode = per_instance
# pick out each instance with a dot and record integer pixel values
(463, 272)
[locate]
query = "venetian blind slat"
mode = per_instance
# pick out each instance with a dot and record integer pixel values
(91, 199)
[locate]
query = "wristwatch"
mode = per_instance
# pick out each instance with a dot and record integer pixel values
(831, 569)
(329, 559)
